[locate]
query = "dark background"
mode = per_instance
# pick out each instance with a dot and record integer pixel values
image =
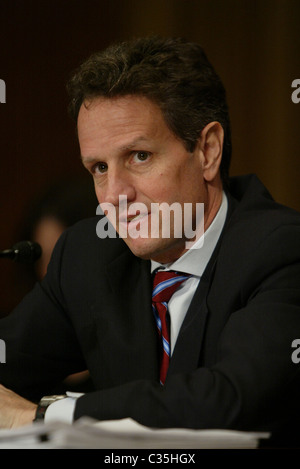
(254, 46)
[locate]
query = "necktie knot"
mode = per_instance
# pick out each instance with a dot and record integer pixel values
(165, 284)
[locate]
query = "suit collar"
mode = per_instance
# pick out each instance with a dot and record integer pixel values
(195, 260)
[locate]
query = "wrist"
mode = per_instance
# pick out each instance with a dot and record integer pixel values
(45, 402)
(25, 416)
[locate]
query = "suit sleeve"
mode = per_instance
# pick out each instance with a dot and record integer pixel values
(254, 384)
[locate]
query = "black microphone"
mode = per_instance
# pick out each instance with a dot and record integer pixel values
(25, 252)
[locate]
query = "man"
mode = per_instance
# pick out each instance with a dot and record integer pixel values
(153, 128)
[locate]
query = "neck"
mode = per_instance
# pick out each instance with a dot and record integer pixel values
(211, 208)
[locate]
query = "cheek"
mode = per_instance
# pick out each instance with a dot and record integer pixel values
(166, 186)
(162, 189)
(99, 193)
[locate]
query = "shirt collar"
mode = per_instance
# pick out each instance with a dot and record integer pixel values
(195, 260)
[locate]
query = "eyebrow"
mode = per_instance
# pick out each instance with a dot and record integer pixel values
(87, 160)
(129, 146)
(134, 143)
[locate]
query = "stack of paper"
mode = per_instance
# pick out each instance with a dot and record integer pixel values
(123, 434)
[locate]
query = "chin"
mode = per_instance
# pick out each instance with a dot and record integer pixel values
(160, 250)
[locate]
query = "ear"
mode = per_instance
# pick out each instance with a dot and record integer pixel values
(211, 147)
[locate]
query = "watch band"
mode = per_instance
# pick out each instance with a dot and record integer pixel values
(44, 404)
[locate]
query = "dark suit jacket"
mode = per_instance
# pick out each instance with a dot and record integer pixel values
(231, 366)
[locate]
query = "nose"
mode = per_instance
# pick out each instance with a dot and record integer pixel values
(118, 183)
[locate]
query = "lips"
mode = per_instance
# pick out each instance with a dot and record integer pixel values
(131, 218)
(137, 217)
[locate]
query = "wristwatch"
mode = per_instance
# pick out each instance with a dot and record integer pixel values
(44, 404)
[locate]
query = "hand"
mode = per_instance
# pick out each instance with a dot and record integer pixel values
(15, 411)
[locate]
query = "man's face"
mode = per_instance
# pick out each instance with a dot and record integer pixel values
(130, 151)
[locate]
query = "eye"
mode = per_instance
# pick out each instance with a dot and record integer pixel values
(99, 168)
(139, 156)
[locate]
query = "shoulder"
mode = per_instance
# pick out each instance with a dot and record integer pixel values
(256, 215)
(259, 246)
(81, 245)
(260, 234)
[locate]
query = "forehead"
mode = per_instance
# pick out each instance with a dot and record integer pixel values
(119, 118)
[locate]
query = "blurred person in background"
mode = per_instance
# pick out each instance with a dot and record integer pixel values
(59, 207)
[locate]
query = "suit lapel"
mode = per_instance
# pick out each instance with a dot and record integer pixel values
(130, 280)
(187, 351)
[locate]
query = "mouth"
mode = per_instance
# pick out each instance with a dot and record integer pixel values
(134, 226)
(132, 218)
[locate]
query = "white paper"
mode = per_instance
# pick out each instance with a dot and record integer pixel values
(123, 434)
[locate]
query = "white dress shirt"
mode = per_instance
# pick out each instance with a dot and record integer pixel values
(193, 262)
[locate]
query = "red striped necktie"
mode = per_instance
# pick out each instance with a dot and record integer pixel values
(164, 285)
